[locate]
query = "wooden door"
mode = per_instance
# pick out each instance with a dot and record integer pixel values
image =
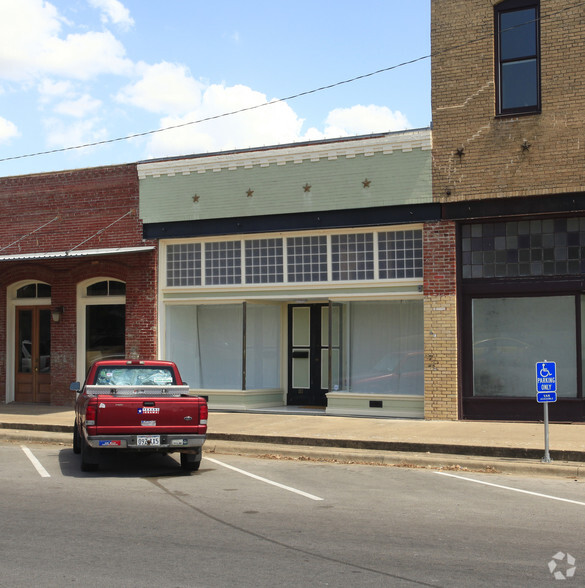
(33, 354)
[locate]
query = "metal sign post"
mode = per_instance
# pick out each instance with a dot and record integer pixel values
(546, 391)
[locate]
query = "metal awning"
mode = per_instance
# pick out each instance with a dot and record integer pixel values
(74, 253)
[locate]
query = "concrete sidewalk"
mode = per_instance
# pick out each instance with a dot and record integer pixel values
(472, 445)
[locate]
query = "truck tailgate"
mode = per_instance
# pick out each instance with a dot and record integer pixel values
(148, 415)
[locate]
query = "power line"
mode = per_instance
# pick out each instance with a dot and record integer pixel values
(278, 100)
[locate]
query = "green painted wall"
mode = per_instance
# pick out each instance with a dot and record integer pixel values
(400, 177)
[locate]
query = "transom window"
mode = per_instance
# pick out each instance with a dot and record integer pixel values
(107, 288)
(517, 56)
(35, 290)
(550, 247)
(384, 255)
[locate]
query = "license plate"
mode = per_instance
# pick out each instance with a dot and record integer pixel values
(148, 440)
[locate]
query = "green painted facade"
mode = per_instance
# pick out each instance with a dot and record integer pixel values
(318, 182)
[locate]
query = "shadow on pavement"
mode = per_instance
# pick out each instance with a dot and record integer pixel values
(126, 465)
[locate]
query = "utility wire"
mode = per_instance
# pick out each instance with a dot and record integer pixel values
(279, 100)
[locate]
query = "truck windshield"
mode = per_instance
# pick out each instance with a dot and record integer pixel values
(134, 376)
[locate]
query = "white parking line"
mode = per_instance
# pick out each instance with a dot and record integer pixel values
(512, 489)
(42, 471)
(229, 467)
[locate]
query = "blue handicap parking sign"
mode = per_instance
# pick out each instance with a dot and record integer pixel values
(546, 381)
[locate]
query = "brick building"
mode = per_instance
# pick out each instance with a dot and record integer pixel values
(77, 279)
(508, 102)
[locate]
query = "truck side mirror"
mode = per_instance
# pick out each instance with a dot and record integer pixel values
(75, 387)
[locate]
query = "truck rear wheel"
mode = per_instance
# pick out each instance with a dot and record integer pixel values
(190, 462)
(89, 461)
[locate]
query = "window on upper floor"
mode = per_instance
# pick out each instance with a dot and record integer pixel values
(517, 36)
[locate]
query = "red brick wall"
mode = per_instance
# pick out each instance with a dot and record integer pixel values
(89, 205)
(439, 247)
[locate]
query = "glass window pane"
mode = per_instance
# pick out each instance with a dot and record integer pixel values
(386, 347)
(105, 329)
(511, 334)
(43, 291)
(117, 288)
(519, 84)
(206, 343)
(98, 289)
(518, 33)
(25, 350)
(263, 346)
(28, 291)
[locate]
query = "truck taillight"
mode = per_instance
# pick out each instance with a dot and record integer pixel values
(203, 413)
(91, 412)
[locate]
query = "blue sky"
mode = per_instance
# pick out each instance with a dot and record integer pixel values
(75, 72)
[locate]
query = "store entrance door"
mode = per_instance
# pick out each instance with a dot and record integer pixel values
(308, 354)
(33, 354)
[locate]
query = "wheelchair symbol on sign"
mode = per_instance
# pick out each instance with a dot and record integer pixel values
(544, 372)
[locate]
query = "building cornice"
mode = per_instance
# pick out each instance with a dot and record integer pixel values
(283, 155)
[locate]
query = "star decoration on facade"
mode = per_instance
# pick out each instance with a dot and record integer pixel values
(195, 198)
(249, 192)
(366, 183)
(307, 187)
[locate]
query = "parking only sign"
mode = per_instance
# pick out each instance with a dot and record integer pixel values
(546, 381)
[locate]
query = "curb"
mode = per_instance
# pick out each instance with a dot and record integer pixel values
(335, 452)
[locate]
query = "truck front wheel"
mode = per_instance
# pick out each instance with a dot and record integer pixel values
(76, 439)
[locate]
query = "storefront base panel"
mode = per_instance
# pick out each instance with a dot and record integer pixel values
(523, 409)
(375, 405)
(242, 399)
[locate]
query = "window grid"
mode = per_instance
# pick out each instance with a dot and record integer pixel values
(184, 264)
(307, 259)
(551, 247)
(264, 261)
(351, 257)
(400, 254)
(223, 263)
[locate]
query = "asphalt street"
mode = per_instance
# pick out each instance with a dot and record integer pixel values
(244, 521)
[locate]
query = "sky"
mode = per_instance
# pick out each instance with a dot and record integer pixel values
(102, 82)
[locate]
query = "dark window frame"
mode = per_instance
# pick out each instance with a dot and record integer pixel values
(507, 7)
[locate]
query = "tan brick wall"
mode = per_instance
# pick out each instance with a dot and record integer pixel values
(493, 163)
(440, 321)
(441, 383)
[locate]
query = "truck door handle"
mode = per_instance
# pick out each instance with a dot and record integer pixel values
(148, 403)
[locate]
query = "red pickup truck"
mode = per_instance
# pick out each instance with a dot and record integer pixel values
(134, 405)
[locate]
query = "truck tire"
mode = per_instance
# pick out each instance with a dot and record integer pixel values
(190, 462)
(76, 440)
(89, 461)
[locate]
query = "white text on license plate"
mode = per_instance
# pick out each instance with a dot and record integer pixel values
(148, 440)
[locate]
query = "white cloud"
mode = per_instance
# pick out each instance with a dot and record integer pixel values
(8, 130)
(363, 120)
(269, 125)
(115, 12)
(49, 89)
(32, 45)
(62, 135)
(165, 88)
(78, 108)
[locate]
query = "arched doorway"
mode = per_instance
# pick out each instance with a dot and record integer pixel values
(32, 341)
(101, 321)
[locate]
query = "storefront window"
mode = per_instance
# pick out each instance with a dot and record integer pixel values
(205, 341)
(511, 334)
(386, 347)
(263, 346)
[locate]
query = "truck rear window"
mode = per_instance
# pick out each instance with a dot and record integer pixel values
(134, 376)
